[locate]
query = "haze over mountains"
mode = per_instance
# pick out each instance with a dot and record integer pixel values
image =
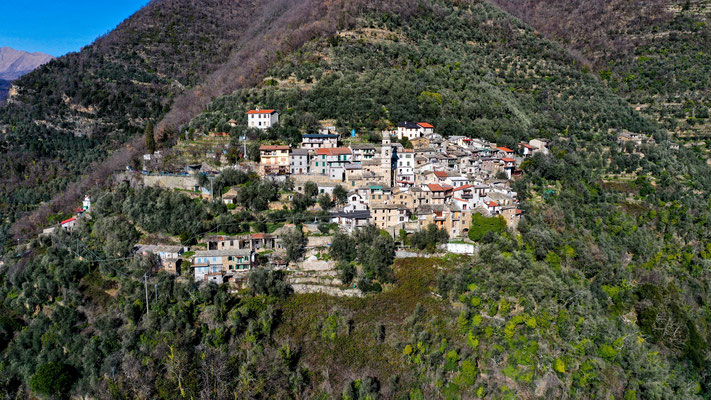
(15, 63)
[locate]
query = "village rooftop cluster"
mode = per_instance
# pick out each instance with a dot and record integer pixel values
(440, 181)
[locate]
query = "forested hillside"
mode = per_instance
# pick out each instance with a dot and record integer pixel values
(70, 112)
(656, 54)
(603, 291)
(171, 55)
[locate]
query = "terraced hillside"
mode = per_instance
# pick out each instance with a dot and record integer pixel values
(494, 78)
(656, 54)
(602, 292)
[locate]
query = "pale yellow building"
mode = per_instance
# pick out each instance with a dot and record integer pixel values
(274, 160)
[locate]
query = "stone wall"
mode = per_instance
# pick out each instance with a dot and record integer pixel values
(170, 181)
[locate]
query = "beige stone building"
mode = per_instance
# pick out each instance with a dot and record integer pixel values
(274, 160)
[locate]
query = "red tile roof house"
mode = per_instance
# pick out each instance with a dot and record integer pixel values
(493, 207)
(326, 159)
(262, 119)
(504, 152)
(412, 130)
(425, 128)
(439, 193)
(509, 166)
(69, 224)
(526, 150)
(441, 175)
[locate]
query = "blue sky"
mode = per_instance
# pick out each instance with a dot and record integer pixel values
(57, 27)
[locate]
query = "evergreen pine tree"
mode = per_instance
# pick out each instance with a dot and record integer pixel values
(150, 140)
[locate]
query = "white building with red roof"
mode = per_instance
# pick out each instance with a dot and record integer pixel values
(492, 207)
(413, 130)
(526, 149)
(425, 128)
(69, 224)
(262, 119)
(504, 152)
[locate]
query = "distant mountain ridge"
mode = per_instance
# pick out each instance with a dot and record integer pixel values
(15, 63)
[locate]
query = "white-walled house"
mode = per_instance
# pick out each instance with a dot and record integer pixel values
(319, 141)
(413, 130)
(425, 128)
(262, 119)
(69, 224)
(409, 130)
(405, 166)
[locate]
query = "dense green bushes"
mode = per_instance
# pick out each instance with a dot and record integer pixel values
(481, 226)
(429, 238)
(373, 250)
(52, 379)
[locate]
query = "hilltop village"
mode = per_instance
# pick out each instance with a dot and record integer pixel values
(412, 178)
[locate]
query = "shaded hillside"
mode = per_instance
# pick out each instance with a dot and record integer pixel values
(4, 88)
(70, 112)
(656, 54)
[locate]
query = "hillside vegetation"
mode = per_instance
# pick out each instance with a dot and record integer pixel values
(74, 110)
(172, 55)
(494, 79)
(656, 54)
(601, 293)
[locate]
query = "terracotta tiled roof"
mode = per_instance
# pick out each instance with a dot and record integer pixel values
(333, 151)
(463, 187)
(271, 147)
(68, 220)
(441, 174)
(438, 188)
(505, 149)
(506, 159)
(261, 111)
(425, 125)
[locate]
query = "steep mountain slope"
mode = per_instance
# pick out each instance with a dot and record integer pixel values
(498, 82)
(15, 63)
(606, 221)
(656, 54)
(602, 294)
(71, 112)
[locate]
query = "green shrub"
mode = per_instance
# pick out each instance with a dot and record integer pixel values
(52, 379)
(482, 225)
